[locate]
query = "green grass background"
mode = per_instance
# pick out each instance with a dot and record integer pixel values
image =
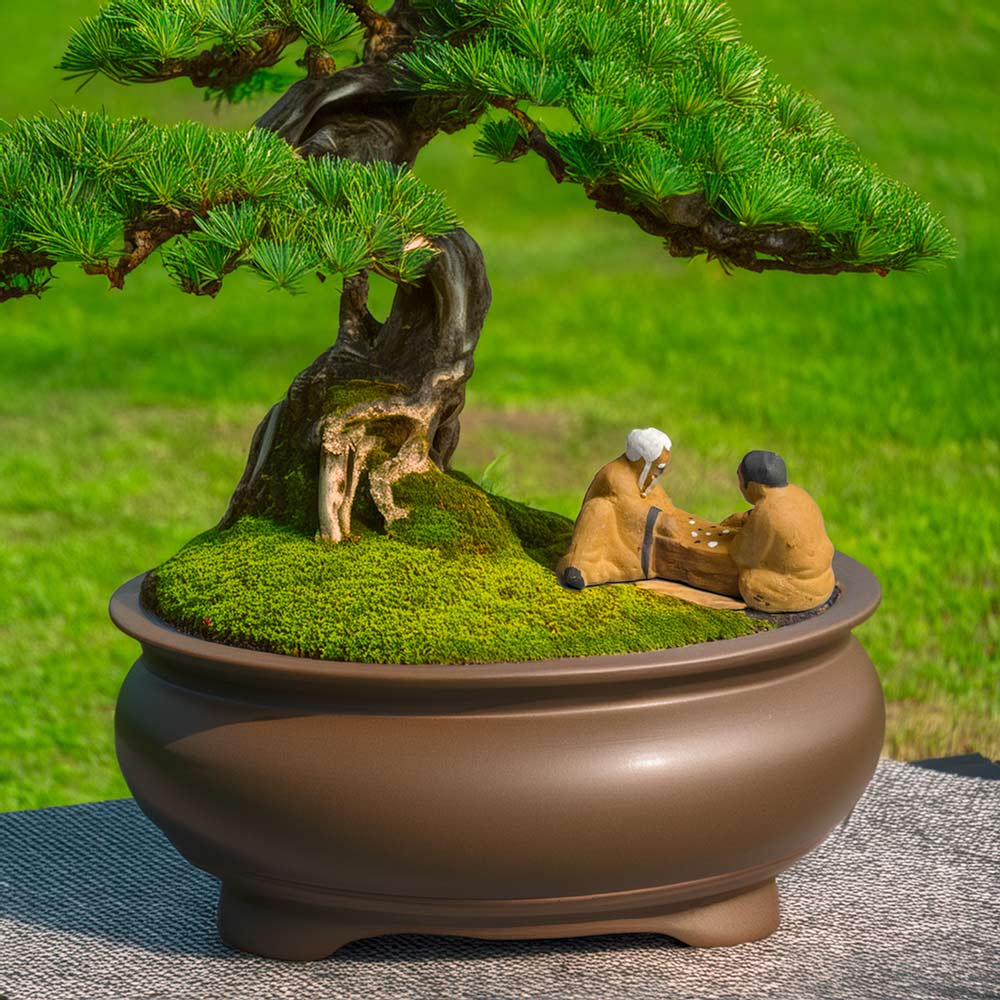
(124, 418)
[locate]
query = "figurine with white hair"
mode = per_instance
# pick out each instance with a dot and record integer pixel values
(628, 528)
(652, 446)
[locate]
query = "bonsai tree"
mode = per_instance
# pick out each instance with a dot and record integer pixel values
(664, 117)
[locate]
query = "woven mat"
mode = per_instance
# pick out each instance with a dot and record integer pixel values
(900, 903)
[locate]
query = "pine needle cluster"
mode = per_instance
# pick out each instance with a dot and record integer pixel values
(676, 123)
(669, 103)
(224, 45)
(106, 193)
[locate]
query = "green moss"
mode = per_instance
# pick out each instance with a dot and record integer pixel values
(465, 578)
(343, 395)
(544, 536)
(451, 515)
(288, 490)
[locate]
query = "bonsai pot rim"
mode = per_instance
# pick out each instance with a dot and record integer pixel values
(859, 597)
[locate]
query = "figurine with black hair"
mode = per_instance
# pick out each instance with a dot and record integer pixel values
(781, 549)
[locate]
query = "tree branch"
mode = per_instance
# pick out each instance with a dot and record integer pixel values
(535, 138)
(20, 262)
(144, 237)
(221, 68)
(385, 34)
(8, 292)
(815, 267)
(690, 226)
(371, 20)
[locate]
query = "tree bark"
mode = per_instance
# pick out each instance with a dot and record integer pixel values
(384, 400)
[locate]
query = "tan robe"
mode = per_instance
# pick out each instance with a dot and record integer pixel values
(615, 522)
(611, 525)
(782, 551)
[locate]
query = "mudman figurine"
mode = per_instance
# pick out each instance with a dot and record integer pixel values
(776, 557)
(629, 529)
(782, 551)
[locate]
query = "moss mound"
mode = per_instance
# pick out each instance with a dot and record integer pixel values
(466, 578)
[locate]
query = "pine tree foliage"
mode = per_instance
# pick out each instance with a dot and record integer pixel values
(668, 102)
(224, 45)
(675, 123)
(106, 193)
(502, 139)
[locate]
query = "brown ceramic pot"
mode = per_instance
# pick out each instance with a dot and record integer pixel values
(653, 792)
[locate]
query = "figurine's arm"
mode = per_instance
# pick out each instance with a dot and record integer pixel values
(750, 546)
(736, 520)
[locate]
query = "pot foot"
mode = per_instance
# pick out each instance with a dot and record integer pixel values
(276, 928)
(300, 932)
(750, 916)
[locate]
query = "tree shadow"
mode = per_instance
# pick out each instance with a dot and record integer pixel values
(103, 870)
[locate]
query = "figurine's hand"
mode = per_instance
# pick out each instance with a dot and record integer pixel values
(736, 520)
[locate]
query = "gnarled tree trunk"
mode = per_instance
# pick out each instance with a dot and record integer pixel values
(384, 400)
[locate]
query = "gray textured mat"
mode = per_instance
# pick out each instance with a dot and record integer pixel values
(900, 903)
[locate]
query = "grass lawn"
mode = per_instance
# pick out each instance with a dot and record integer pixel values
(124, 419)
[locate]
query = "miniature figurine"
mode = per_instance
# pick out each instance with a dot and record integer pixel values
(776, 557)
(781, 548)
(613, 534)
(628, 528)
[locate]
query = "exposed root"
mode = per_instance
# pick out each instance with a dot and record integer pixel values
(412, 458)
(339, 475)
(382, 403)
(387, 438)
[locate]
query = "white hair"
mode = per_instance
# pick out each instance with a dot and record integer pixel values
(646, 443)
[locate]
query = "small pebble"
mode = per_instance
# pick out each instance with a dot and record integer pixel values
(712, 545)
(694, 534)
(690, 520)
(725, 531)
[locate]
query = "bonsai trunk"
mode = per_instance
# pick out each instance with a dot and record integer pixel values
(384, 401)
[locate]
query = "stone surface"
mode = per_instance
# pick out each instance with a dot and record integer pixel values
(899, 903)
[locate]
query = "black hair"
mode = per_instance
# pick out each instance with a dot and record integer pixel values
(764, 467)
